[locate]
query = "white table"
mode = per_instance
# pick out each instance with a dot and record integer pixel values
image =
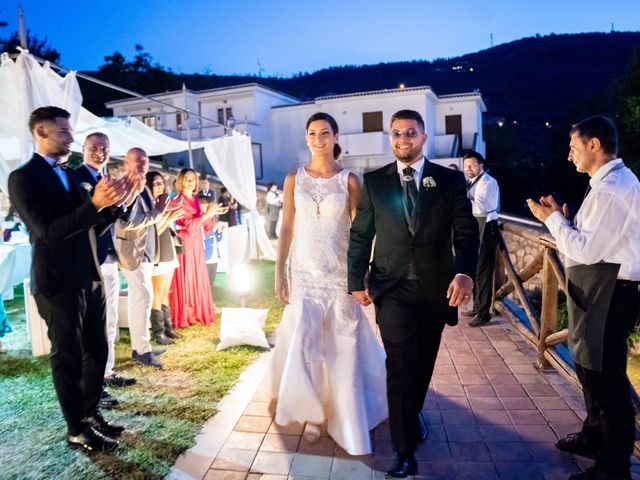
(7, 266)
(22, 266)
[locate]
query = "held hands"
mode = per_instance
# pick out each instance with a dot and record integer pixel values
(281, 289)
(362, 297)
(546, 207)
(460, 290)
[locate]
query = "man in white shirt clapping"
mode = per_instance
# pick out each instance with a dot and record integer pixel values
(602, 251)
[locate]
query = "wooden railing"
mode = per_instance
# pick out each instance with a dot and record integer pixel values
(539, 328)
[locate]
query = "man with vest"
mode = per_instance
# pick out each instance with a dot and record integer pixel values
(602, 262)
(484, 193)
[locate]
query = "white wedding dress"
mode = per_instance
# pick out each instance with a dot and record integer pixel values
(327, 364)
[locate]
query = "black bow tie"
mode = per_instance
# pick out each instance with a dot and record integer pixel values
(59, 164)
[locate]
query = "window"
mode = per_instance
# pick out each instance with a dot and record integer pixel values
(256, 150)
(221, 116)
(228, 113)
(372, 122)
(150, 121)
(178, 121)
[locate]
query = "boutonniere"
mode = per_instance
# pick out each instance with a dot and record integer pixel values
(428, 182)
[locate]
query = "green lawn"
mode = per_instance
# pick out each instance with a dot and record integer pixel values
(163, 412)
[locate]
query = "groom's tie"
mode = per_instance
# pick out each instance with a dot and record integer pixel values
(409, 191)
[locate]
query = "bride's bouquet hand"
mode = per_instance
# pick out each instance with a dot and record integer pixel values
(282, 289)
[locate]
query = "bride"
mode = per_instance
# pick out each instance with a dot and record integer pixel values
(327, 364)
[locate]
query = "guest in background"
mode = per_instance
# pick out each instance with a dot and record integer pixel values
(162, 274)
(205, 190)
(212, 232)
(190, 296)
(95, 158)
(136, 244)
(274, 205)
(484, 193)
(232, 215)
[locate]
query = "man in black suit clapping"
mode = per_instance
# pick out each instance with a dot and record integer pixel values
(65, 278)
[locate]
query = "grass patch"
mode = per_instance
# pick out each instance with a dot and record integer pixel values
(163, 412)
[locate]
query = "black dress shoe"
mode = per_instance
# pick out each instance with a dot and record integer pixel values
(405, 464)
(593, 473)
(423, 432)
(116, 380)
(99, 423)
(162, 339)
(107, 401)
(92, 441)
(478, 320)
(577, 444)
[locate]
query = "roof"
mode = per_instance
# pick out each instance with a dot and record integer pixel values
(231, 89)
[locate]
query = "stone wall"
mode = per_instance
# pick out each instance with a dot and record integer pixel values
(521, 240)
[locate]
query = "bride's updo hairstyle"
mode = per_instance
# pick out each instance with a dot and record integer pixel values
(334, 127)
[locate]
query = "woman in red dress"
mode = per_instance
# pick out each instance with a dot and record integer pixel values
(190, 296)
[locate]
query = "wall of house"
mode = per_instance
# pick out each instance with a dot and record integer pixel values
(471, 119)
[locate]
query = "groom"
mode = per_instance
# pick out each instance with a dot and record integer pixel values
(419, 213)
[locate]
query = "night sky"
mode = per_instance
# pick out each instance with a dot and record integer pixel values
(285, 37)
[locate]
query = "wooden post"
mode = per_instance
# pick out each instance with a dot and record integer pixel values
(549, 313)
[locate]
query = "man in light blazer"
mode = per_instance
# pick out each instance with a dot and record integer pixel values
(135, 239)
(419, 214)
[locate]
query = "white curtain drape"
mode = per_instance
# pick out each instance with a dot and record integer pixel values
(232, 160)
(26, 85)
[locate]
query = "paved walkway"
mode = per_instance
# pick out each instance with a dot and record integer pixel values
(491, 415)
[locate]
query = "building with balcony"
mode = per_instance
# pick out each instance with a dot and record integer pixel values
(452, 122)
(276, 123)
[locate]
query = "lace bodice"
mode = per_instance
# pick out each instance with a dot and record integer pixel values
(321, 232)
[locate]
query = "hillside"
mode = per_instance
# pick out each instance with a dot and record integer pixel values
(533, 80)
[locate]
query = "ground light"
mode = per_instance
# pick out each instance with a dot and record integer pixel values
(241, 281)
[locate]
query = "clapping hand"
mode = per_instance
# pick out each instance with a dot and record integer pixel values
(174, 210)
(109, 192)
(546, 206)
(135, 184)
(216, 209)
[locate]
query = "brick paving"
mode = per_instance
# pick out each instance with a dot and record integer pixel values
(491, 415)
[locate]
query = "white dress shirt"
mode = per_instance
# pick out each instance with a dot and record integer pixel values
(485, 197)
(607, 226)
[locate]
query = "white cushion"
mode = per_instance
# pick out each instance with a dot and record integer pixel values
(242, 326)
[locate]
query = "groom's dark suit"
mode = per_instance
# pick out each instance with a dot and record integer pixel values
(65, 282)
(411, 304)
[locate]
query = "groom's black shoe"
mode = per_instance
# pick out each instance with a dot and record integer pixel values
(405, 464)
(423, 432)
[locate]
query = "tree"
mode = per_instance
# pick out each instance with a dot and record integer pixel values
(629, 114)
(36, 46)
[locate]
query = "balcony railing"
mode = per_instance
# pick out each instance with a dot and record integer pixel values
(539, 327)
